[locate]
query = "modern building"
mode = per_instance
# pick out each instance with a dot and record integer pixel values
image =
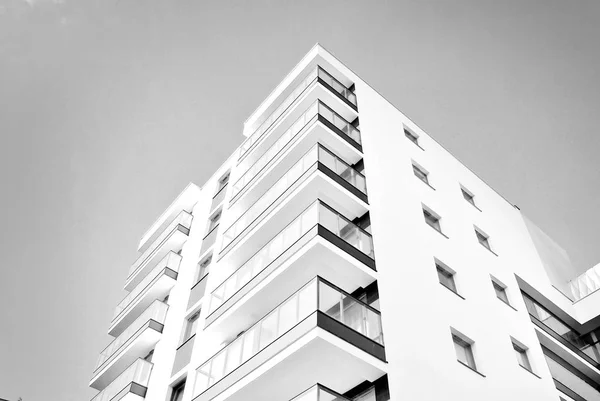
(341, 253)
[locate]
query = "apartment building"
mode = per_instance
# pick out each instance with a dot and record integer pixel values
(341, 253)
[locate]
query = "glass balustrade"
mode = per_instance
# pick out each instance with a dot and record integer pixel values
(318, 153)
(184, 219)
(170, 261)
(317, 213)
(319, 393)
(157, 311)
(138, 372)
(317, 108)
(317, 295)
(586, 283)
(306, 82)
(337, 86)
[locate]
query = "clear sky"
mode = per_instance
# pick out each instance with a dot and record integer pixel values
(109, 108)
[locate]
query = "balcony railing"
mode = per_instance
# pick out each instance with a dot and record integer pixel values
(138, 372)
(183, 219)
(171, 261)
(316, 154)
(157, 311)
(317, 73)
(316, 109)
(317, 295)
(319, 393)
(316, 214)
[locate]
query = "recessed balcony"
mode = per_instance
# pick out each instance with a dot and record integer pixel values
(128, 386)
(317, 124)
(319, 334)
(317, 85)
(318, 174)
(319, 241)
(136, 341)
(171, 239)
(155, 285)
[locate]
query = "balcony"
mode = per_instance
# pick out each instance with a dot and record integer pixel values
(171, 239)
(318, 174)
(155, 285)
(304, 127)
(319, 241)
(315, 86)
(318, 156)
(136, 341)
(319, 334)
(130, 384)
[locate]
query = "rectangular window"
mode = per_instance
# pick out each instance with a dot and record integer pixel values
(190, 327)
(420, 174)
(522, 357)
(432, 220)
(446, 277)
(500, 292)
(468, 196)
(214, 221)
(483, 239)
(202, 268)
(177, 394)
(223, 182)
(411, 136)
(464, 351)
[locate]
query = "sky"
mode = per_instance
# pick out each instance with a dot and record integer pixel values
(108, 108)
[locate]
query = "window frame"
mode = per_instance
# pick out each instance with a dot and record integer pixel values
(421, 173)
(438, 219)
(177, 391)
(487, 243)
(412, 136)
(521, 352)
(463, 342)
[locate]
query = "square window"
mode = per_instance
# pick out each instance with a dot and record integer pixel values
(432, 220)
(411, 136)
(500, 292)
(446, 277)
(468, 196)
(464, 351)
(483, 239)
(420, 174)
(522, 357)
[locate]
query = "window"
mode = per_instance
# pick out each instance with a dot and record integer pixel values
(149, 356)
(190, 326)
(202, 267)
(223, 182)
(446, 277)
(177, 394)
(500, 292)
(464, 351)
(483, 239)
(469, 197)
(521, 353)
(214, 221)
(421, 174)
(414, 138)
(432, 219)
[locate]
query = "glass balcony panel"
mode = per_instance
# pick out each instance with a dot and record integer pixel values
(264, 126)
(337, 86)
(262, 161)
(319, 393)
(291, 176)
(315, 214)
(339, 122)
(170, 261)
(157, 311)
(315, 295)
(138, 372)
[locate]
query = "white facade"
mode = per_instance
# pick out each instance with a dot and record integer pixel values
(322, 270)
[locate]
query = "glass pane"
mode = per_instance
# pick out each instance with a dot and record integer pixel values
(329, 301)
(217, 367)
(268, 329)
(250, 345)
(234, 352)
(307, 300)
(288, 314)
